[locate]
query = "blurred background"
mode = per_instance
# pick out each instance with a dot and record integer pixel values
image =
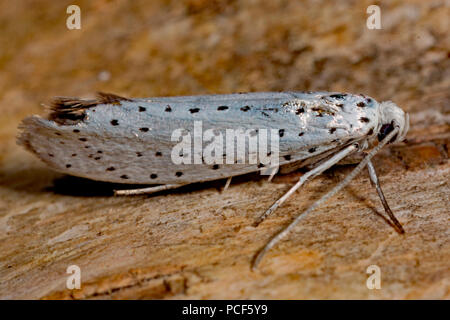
(163, 47)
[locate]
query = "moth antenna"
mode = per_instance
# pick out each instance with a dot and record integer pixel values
(324, 198)
(387, 209)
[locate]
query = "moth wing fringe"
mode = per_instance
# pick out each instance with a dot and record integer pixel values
(71, 110)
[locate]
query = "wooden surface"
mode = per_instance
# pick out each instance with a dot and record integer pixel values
(198, 242)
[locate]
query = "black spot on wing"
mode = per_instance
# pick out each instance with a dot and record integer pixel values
(339, 96)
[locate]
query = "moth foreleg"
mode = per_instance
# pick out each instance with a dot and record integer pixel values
(376, 183)
(312, 173)
(148, 190)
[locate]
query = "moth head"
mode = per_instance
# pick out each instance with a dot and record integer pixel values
(392, 116)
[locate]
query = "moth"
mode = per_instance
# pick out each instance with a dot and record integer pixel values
(116, 139)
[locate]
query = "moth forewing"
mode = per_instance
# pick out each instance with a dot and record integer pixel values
(123, 140)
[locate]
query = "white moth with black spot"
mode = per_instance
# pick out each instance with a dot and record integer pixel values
(116, 139)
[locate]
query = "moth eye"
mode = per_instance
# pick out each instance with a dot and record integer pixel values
(158, 154)
(215, 167)
(153, 176)
(385, 130)
(179, 174)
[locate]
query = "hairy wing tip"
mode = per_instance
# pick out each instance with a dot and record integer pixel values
(71, 110)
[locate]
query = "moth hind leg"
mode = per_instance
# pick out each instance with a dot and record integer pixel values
(148, 190)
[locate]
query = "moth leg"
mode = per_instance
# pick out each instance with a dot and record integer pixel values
(376, 183)
(227, 184)
(148, 190)
(311, 173)
(324, 198)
